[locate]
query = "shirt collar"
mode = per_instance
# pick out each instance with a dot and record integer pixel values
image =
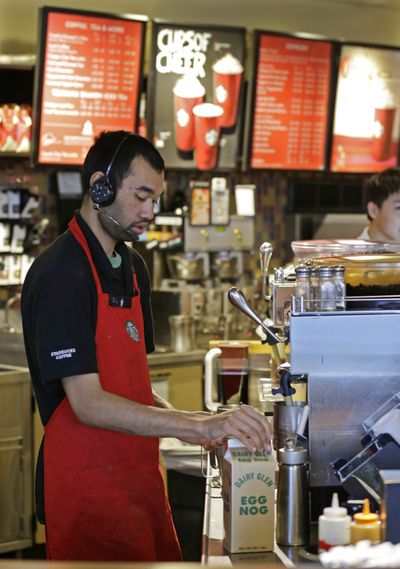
(115, 281)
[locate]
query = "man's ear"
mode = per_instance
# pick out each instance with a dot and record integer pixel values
(373, 210)
(95, 176)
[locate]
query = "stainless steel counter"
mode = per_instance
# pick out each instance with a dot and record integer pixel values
(174, 358)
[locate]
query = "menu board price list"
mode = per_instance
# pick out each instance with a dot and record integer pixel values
(90, 82)
(291, 103)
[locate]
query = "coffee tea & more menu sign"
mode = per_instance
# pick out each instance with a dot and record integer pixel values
(195, 94)
(88, 80)
(291, 100)
(367, 120)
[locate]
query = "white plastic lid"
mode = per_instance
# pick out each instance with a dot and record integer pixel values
(334, 510)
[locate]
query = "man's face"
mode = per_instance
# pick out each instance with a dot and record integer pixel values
(385, 224)
(133, 207)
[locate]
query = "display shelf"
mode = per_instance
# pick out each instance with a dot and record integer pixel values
(15, 155)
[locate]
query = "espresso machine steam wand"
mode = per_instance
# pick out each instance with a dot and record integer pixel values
(265, 257)
(238, 299)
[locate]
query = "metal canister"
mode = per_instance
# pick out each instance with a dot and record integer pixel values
(292, 506)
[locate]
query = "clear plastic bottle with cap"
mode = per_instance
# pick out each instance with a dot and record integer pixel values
(365, 525)
(333, 526)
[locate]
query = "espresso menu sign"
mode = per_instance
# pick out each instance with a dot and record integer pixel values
(366, 121)
(290, 102)
(195, 94)
(88, 81)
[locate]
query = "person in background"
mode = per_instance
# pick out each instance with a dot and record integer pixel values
(88, 327)
(383, 207)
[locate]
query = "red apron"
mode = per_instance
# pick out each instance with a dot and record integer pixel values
(104, 494)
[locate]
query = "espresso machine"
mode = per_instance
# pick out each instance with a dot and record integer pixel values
(194, 281)
(351, 361)
(231, 251)
(179, 299)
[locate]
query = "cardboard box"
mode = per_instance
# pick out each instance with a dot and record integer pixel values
(248, 493)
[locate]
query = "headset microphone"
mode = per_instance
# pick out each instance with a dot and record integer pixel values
(131, 236)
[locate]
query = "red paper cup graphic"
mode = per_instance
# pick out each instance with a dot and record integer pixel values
(23, 128)
(8, 128)
(382, 135)
(188, 92)
(228, 73)
(207, 126)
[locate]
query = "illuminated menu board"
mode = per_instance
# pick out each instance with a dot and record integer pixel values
(88, 80)
(195, 94)
(290, 102)
(366, 120)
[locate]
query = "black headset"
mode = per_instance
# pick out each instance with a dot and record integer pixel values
(101, 192)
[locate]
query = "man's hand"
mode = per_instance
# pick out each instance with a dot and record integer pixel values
(245, 423)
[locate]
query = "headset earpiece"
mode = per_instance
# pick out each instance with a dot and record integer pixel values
(101, 192)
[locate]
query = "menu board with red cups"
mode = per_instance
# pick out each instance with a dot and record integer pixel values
(195, 94)
(291, 102)
(88, 80)
(366, 120)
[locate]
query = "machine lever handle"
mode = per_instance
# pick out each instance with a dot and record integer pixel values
(265, 257)
(237, 298)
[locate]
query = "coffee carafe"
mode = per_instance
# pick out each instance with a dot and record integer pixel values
(226, 375)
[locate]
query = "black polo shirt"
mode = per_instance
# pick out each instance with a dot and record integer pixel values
(59, 310)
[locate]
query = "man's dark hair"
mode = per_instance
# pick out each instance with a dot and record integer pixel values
(381, 186)
(102, 151)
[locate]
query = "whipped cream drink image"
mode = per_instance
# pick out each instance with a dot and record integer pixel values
(207, 118)
(384, 117)
(227, 77)
(188, 92)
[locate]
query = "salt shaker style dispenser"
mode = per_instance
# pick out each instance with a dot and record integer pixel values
(302, 289)
(292, 506)
(340, 287)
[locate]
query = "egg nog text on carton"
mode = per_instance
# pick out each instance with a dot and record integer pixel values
(248, 493)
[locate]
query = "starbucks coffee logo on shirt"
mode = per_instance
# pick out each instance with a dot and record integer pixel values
(132, 331)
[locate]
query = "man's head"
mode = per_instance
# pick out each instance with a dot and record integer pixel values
(123, 177)
(383, 205)
(102, 152)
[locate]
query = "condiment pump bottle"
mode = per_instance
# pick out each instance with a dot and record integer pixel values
(333, 526)
(365, 525)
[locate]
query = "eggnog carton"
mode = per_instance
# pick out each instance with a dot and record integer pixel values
(248, 493)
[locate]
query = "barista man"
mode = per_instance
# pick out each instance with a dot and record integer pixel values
(383, 207)
(87, 328)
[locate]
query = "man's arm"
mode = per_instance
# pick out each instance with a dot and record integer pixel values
(160, 401)
(98, 408)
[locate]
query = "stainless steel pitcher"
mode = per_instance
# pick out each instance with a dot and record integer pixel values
(183, 333)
